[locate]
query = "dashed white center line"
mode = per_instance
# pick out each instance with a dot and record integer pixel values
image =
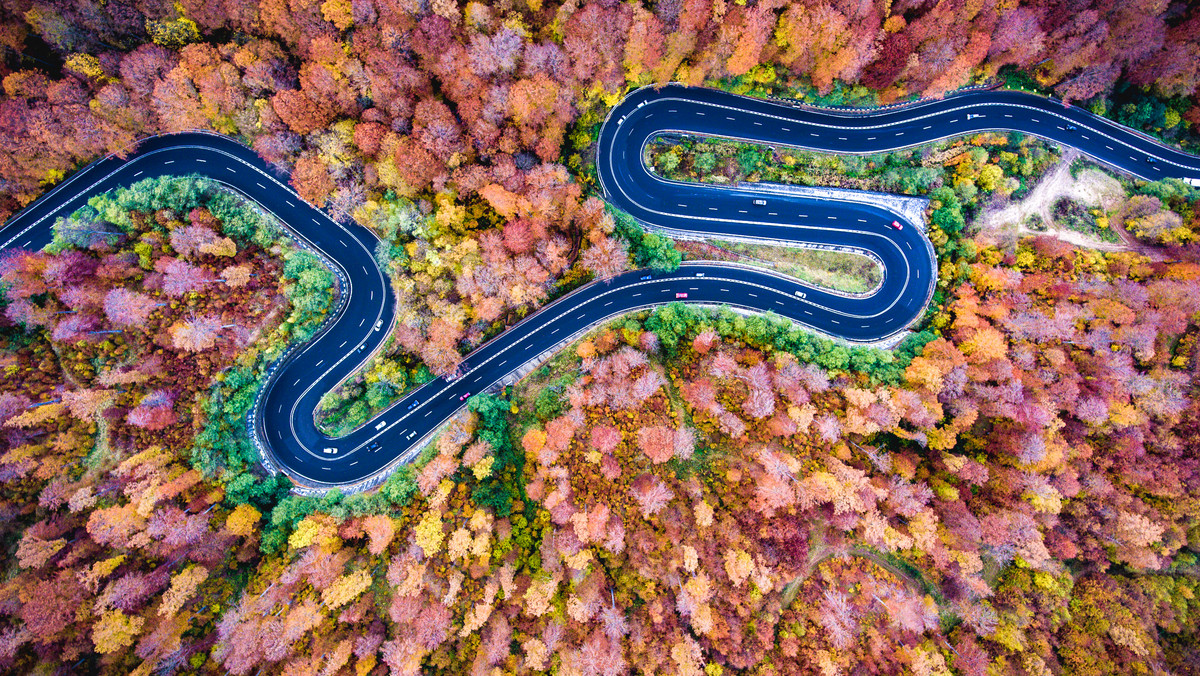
(636, 295)
(260, 185)
(362, 321)
(318, 363)
(754, 295)
(169, 162)
(555, 331)
(290, 203)
(138, 174)
(343, 344)
(200, 160)
(608, 303)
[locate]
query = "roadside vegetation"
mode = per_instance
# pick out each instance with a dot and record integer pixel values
(836, 270)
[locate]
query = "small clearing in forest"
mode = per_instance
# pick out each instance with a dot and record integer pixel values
(1036, 214)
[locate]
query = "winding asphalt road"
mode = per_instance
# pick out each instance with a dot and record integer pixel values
(283, 416)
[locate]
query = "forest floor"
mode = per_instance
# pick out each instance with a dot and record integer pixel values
(1090, 187)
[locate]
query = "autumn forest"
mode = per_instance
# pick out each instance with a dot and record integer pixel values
(1014, 488)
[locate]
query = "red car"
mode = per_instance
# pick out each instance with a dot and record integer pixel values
(464, 396)
(681, 294)
(896, 225)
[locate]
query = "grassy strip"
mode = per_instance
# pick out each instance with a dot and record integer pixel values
(836, 270)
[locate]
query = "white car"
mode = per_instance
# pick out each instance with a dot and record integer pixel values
(760, 203)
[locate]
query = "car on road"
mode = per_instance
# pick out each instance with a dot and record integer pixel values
(645, 277)
(1071, 127)
(411, 435)
(972, 116)
(681, 294)
(1150, 160)
(465, 395)
(896, 225)
(413, 405)
(699, 274)
(760, 203)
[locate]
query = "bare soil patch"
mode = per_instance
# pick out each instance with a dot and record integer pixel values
(1036, 214)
